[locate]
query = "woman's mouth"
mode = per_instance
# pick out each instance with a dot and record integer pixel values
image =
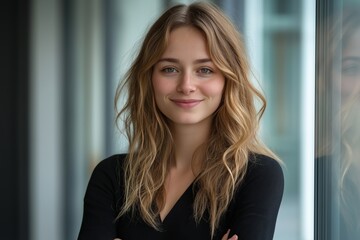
(186, 103)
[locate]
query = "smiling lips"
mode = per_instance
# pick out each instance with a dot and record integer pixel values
(186, 103)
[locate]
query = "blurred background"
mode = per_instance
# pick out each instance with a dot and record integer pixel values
(62, 60)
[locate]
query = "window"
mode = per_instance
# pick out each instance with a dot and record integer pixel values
(337, 120)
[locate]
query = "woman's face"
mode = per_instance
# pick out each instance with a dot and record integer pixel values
(187, 85)
(350, 69)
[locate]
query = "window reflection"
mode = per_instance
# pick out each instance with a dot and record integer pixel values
(350, 128)
(338, 128)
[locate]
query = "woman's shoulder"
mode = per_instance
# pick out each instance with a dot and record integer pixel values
(262, 185)
(111, 163)
(265, 168)
(257, 199)
(109, 169)
(260, 162)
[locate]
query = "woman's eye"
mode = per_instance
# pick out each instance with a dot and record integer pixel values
(169, 70)
(351, 70)
(205, 71)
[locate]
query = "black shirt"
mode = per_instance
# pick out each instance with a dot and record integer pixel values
(251, 214)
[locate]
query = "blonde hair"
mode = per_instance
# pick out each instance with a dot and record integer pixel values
(233, 136)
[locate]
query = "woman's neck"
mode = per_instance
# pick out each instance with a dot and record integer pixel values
(187, 139)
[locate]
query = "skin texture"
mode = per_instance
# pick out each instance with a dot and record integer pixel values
(188, 87)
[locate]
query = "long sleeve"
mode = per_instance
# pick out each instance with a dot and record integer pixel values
(257, 200)
(251, 215)
(100, 203)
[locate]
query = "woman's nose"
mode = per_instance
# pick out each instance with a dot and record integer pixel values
(186, 84)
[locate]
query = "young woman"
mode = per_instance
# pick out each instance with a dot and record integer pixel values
(195, 168)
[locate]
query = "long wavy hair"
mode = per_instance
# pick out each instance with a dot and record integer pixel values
(233, 136)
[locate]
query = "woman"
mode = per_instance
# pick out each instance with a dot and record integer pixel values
(195, 168)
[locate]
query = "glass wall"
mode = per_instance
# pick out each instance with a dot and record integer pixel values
(337, 120)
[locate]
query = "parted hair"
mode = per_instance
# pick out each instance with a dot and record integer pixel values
(233, 135)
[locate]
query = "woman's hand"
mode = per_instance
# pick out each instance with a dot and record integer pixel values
(226, 236)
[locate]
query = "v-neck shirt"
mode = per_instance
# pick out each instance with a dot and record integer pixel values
(251, 213)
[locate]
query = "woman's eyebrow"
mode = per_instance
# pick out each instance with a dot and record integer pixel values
(351, 58)
(203, 60)
(174, 60)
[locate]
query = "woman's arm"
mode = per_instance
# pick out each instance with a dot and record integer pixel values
(99, 203)
(257, 200)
